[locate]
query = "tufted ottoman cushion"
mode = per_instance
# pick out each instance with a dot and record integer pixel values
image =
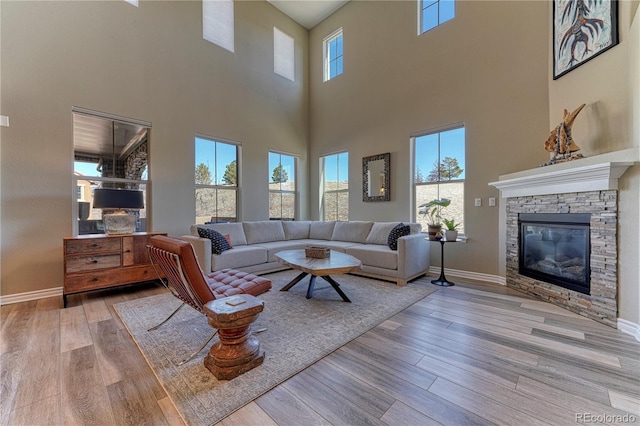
(228, 282)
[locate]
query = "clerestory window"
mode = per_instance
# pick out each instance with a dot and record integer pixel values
(432, 13)
(333, 55)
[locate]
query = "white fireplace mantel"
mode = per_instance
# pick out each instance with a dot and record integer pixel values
(598, 173)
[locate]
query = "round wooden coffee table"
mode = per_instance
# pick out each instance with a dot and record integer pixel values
(336, 263)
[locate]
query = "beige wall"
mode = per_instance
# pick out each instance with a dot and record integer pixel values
(608, 85)
(148, 63)
(486, 68)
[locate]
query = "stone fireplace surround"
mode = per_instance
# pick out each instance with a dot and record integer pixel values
(582, 186)
(601, 304)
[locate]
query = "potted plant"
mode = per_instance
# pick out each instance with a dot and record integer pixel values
(433, 209)
(451, 229)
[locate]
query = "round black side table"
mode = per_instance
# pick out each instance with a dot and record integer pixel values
(442, 280)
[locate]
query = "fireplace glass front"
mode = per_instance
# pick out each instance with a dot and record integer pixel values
(555, 247)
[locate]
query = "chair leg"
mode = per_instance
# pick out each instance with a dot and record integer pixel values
(199, 349)
(155, 327)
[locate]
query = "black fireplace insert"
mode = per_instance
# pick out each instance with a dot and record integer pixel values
(555, 248)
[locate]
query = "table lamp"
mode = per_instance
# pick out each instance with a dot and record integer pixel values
(119, 222)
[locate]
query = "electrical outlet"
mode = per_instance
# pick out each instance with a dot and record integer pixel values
(478, 202)
(492, 201)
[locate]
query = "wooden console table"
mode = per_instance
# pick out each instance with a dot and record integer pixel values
(95, 262)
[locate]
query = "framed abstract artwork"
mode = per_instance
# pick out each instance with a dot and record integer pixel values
(582, 29)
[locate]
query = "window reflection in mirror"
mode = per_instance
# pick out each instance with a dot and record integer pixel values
(375, 178)
(109, 152)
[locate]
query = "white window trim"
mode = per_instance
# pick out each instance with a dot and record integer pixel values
(325, 53)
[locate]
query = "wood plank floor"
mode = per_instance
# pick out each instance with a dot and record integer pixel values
(470, 354)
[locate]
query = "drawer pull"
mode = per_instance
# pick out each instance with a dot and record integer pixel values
(94, 261)
(128, 251)
(94, 279)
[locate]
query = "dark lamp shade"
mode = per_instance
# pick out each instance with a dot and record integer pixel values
(117, 199)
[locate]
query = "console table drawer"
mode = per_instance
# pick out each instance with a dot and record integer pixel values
(94, 281)
(94, 245)
(90, 263)
(137, 274)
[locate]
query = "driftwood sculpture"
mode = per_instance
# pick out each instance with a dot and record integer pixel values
(560, 142)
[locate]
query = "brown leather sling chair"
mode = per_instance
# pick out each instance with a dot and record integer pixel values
(185, 280)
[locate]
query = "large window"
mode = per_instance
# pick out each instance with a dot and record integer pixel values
(439, 172)
(216, 178)
(432, 13)
(332, 49)
(334, 181)
(282, 186)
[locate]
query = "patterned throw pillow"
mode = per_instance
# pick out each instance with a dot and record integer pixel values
(400, 230)
(218, 242)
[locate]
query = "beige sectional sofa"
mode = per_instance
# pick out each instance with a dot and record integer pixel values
(256, 243)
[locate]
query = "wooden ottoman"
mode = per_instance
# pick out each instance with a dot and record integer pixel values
(237, 351)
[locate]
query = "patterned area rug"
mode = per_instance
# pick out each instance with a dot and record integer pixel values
(299, 332)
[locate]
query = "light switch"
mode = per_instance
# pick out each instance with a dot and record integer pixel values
(478, 202)
(492, 201)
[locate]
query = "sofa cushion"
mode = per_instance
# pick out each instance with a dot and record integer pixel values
(375, 255)
(380, 232)
(354, 231)
(233, 229)
(239, 257)
(294, 230)
(321, 230)
(398, 231)
(276, 246)
(263, 231)
(218, 242)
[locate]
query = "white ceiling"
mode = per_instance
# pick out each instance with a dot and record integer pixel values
(308, 13)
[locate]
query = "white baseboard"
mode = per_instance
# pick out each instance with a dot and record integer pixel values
(629, 327)
(496, 279)
(30, 295)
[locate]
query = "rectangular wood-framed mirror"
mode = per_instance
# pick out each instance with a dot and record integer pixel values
(376, 181)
